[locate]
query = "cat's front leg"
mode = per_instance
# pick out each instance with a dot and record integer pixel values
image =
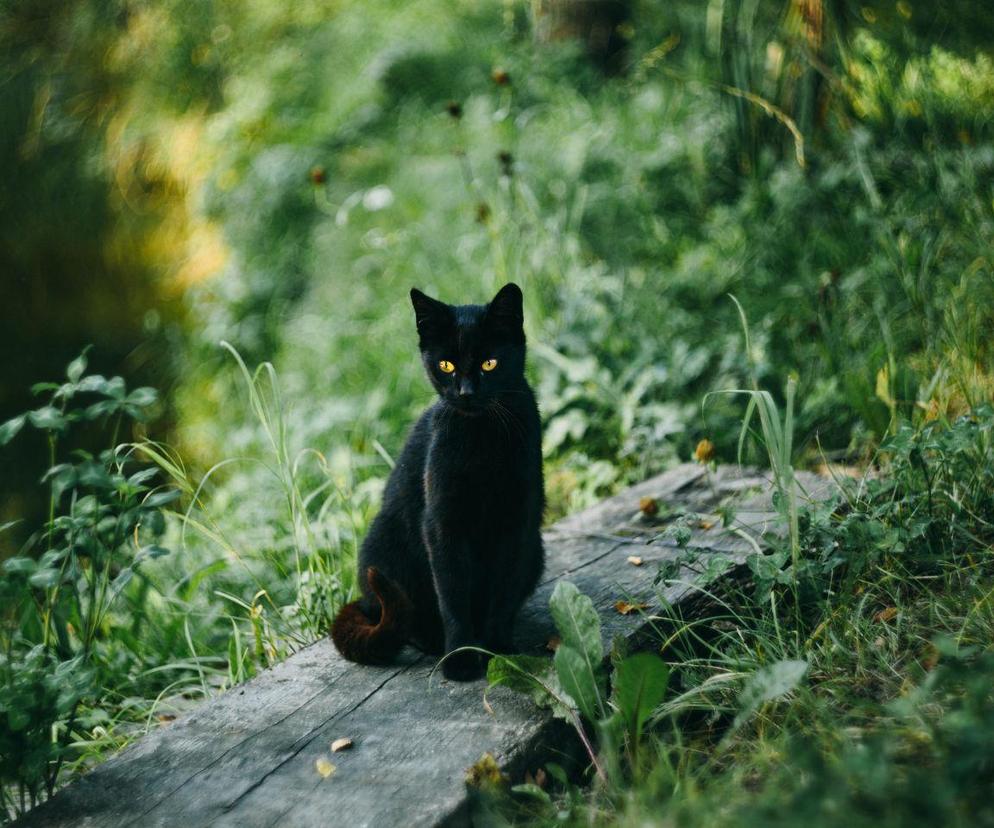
(449, 558)
(511, 587)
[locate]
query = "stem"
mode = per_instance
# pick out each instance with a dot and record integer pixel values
(578, 725)
(53, 778)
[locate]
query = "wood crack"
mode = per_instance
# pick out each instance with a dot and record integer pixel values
(312, 735)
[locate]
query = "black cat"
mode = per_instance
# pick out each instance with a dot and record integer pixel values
(456, 547)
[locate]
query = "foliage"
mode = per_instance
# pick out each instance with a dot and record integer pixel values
(870, 698)
(575, 683)
(105, 522)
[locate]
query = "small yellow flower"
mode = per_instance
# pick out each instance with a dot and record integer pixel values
(704, 453)
(485, 773)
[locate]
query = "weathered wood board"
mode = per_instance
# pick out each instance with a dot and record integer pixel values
(248, 757)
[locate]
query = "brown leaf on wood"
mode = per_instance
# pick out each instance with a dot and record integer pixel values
(885, 614)
(553, 644)
(649, 506)
(626, 608)
(341, 744)
(634, 560)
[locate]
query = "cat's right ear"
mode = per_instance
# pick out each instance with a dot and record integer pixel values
(432, 316)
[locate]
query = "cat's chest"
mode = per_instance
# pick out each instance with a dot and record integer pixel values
(476, 478)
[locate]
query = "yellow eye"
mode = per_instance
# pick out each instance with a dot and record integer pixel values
(489, 364)
(446, 366)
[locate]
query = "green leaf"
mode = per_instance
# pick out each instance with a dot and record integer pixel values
(120, 582)
(578, 623)
(768, 567)
(150, 552)
(767, 684)
(76, 368)
(161, 498)
(533, 676)
(115, 388)
(47, 417)
(143, 397)
(557, 772)
(8, 431)
(45, 578)
(579, 680)
(154, 522)
(93, 384)
(94, 475)
(100, 409)
(19, 566)
(533, 791)
(640, 683)
(142, 476)
(715, 566)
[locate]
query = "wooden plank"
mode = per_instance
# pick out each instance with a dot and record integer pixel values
(248, 757)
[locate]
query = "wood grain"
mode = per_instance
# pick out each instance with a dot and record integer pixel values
(248, 757)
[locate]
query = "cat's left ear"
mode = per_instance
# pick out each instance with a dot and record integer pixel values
(504, 311)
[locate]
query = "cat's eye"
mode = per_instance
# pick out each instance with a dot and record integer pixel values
(489, 364)
(446, 367)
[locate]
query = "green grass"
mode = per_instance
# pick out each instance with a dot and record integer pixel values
(868, 700)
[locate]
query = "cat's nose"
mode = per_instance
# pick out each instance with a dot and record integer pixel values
(465, 387)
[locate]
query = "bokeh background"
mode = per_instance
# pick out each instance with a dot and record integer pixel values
(277, 175)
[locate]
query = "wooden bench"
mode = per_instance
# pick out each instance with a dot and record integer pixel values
(249, 756)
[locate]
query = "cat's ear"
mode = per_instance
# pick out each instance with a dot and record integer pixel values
(504, 312)
(431, 315)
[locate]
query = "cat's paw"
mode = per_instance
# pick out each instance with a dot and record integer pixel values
(464, 666)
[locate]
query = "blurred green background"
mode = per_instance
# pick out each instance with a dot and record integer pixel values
(277, 175)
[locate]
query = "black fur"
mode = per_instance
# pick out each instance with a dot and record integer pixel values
(459, 530)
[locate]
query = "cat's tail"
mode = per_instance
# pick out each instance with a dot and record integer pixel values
(358, 638)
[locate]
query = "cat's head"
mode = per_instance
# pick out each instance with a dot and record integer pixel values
(472, 353)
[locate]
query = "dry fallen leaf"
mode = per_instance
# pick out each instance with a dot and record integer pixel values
(539, 778)
(324, 767)
(886, 614)
(553, 643)
(706, 524)
(341, 744)
(648, 506)
(627, 609)
(634, 560)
